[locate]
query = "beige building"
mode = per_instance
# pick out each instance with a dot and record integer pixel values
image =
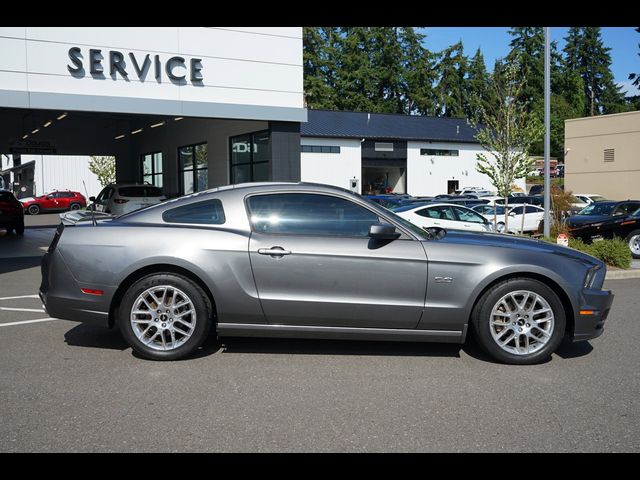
(602, 155)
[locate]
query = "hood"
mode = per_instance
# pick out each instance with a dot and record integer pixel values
(577, 220)
(520, 243)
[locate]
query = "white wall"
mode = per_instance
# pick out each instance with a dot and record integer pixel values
(428, 175)
(332, 168)
(240, 67)
(63, 172)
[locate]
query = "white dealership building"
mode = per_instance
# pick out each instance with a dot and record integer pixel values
(190, 108)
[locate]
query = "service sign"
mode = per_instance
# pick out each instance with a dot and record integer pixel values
(33, 146)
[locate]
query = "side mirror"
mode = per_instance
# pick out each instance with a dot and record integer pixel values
(92, 199)
(383, 231)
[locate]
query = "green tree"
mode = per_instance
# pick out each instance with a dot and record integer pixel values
(319, 66)
(419, 73)
(450, 89)
(636, 76)
(507, 129)
(104, 168)
(477, 90)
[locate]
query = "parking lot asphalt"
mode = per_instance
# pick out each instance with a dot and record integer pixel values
(71, 387)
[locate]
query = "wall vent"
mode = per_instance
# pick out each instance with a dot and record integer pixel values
(383, 147)
(609, 154)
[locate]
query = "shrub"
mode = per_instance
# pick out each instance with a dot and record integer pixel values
(614, 252)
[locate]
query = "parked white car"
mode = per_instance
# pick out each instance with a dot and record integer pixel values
(533, 215)
(118, 199)
(444, 215)
(583, 200)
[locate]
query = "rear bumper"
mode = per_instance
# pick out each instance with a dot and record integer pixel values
(62, 298)
(592, 314)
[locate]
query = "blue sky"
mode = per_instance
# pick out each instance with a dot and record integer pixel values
(494, 43)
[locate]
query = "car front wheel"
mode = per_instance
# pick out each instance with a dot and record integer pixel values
(519, 321)
(633, 240)
(165, 317)
(33, 209)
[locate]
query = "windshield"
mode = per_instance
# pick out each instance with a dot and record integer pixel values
(597, 209)
(598, 198)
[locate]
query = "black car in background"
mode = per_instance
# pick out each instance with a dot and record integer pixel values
(11, 213)
(530, 199)
(607, 220)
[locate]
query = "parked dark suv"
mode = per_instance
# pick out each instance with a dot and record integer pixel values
(11, 213)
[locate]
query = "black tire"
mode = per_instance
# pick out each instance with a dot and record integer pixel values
(628, 240)
(75, 206)
(19, 229)
(201, 305)
(480, 321)
(33, 209)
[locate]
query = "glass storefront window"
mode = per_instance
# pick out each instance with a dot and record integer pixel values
(250, 157)
(152, 169)
(193, 168)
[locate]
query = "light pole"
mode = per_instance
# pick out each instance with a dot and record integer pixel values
(547, 120)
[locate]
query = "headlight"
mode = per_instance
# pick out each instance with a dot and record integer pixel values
(591, 276)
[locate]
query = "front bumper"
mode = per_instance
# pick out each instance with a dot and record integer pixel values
(592, 314)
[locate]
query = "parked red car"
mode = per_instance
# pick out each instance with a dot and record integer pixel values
(11, 213)
(61, 200)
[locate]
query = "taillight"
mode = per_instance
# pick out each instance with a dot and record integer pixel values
(120, 200)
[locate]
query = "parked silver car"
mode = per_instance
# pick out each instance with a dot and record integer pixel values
(313, 261)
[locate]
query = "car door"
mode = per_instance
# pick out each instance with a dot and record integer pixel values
(469, 220)
(102, 200)
(314, 264)
(437, 216)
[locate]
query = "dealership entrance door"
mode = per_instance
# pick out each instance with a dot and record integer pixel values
(384, 166)
(380, 176)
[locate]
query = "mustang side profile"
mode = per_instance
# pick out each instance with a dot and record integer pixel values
(313, 261)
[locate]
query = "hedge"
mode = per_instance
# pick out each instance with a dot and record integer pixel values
(614, 252)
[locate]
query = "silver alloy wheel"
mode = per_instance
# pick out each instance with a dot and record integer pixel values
(163, 317)
(522, 322)
(634, 244)
(34, 209)
(75, 206)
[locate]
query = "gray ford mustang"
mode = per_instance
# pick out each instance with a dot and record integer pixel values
(313, 261)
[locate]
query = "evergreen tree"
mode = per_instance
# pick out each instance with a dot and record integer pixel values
(419, 74)
(355, 82)
(319, 66)
(527, 52)
(636, 76)
(587, 55)
(387, 69)
(477, 90)
(451, 82)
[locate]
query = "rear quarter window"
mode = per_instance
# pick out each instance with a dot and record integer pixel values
(207, 212)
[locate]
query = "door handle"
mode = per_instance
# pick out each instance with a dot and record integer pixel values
(274, 251)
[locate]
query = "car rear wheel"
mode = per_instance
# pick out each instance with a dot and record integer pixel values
(633, 240)
(19, 229)
(75, 206)
(165, 317)
(34, 209)
(519, 321)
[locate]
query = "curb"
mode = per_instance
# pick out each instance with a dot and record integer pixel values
(622, 274)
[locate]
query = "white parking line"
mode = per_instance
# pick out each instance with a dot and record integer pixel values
(28, 321)
(21, 296)
(15, 309)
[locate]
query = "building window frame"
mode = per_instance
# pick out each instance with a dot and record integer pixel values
(251, 163)
(194, 169)
(154, 173)
(320, 149)
(439, 152)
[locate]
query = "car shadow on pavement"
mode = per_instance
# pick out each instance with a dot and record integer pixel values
(569, 349)
(94, 336)
(8, 265)
(337, 347)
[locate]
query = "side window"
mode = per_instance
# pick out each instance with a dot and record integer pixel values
(442, 212)
(517, 210)
(102, 195)
(468, 216)
(309, 214)
(532, 210)
(208, 212)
